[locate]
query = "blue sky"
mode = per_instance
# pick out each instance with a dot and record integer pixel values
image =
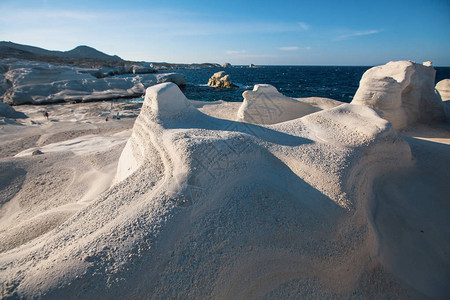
(308, 32)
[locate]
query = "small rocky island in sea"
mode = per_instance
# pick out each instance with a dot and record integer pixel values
(221, 80)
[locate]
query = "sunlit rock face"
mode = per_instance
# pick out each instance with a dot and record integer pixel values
(221, 80)
(402, 92)
(265, 105)
(443, 87)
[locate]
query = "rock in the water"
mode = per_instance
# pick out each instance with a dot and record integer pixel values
(265, 105)
(37, 83)
(402, 92)
(226, 65)
(443, 87)
(221, 80)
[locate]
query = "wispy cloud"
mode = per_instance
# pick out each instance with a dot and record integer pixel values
(356, 33)
(293, 48)
(30, 16)
(303, 25)
(236, 51)
(289, 48)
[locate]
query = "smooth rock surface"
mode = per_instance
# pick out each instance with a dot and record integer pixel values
(265, 105)
(443, 87)
(402, 92)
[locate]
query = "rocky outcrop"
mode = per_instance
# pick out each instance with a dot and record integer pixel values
(265, 105)
(7, 111)
(37, 83)
(141, 69)
(226, 65)
(221, 80)
(402, 92)
(443, 87)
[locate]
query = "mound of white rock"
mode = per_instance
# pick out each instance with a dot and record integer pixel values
(265, 105)
(402, 92)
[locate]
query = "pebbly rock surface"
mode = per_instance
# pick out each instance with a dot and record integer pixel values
(221, 80)
(201, 205)
(402, 92)
(210, 208)
(30, 82)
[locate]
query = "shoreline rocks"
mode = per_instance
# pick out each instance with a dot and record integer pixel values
(39, 83)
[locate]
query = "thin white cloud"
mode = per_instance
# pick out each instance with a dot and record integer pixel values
(294, 48)
(289, 48)
(235, 51)
(356, 33)
(30, 16)
(303, 25)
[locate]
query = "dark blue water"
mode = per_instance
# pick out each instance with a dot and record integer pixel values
(339, 83)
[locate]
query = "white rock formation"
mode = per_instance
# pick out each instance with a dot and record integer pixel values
(265, 105)
(226, 65)
(221, 80)
(37, 83)
(213, 208)
(402, 92)
(443, 87)
(161, 101)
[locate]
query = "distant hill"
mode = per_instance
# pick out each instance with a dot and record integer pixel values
(83, 56)
(13, 50)
(88, 52)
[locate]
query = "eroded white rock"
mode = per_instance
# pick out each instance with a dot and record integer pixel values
(402, 92)
(37, 83)
(265, 105)
(443, 87)
(162, 101)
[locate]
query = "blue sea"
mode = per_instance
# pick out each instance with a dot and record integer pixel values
(335, 82)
